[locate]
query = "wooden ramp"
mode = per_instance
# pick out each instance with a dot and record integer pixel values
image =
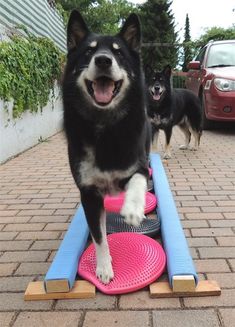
(84, 290)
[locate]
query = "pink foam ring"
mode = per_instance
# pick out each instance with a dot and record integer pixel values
(115, 203)
(137, 261)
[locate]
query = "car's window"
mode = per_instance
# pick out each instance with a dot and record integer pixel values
(201, 55)
(221, 55)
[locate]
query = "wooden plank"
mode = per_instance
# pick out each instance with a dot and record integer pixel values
(204, 288)
(184, 283)
(81, 290)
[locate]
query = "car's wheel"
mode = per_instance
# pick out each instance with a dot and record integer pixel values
(206, 123)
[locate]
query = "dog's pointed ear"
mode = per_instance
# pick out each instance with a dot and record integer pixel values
(167, 71)
(76, 30)
(131, 32)
(148, 71)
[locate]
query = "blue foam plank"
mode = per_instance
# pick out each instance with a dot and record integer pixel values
(65, 263)
(179, 260)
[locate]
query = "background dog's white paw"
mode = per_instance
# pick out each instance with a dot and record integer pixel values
(167, 155)
(133, 213)
(193, 148)
(105, 272)
(184, 147)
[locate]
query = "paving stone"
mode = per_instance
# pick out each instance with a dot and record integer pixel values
(46, 245)
(232, 263)
(7, 235)
(226, 241)
(38, 212)
(141, 300)
(116, 319)
(204, 215)
(26, 256)
(211, 265)
(228, 317)
(222, 223)
(14, 284)
(212, 232)
(32, 268)
(99, 302)
(49, 219)
(195, 223)
(52, 319)
(57, 226)
(185, 318)
(6, 318)
(14, 220)
(226, 299)
(43, 235)
(23, 227)
(7, 269)
(201, 241)
(217, 252)
(225, 280)
(14, 245)
(15, 301)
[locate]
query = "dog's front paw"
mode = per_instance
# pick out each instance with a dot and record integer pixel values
(184, 147)
(133, 213)
(167, 155)
(104, 272)
(194, 148)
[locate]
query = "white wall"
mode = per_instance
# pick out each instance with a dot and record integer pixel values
(17, 135)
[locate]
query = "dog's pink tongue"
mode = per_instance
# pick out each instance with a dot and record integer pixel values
(103, 90)
(156, 97)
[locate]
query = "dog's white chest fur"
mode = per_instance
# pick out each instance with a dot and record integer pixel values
(106, 181)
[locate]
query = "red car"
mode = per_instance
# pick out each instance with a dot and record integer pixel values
(212, 77)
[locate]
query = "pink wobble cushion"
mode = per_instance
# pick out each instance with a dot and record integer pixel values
(115, 203)
(137, 261)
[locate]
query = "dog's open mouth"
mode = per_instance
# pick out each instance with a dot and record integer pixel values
(103, 89)
(156, 94)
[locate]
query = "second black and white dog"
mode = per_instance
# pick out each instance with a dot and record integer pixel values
(169, 107)
(106, 125)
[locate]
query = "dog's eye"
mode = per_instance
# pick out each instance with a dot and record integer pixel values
(89, 52)
(118, 52)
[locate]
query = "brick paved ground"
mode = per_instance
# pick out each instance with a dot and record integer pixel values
(38, 199)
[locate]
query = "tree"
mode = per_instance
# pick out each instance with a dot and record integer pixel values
(101, 16)
(159, 36)
(187, 52)
(216, 33)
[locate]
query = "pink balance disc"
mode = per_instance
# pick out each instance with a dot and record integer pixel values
(115, 203)
(137, 261)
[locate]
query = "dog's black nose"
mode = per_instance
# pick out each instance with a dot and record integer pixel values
(103, 61)
(157, 87)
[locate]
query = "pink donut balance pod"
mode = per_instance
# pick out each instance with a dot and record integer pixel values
(137, 261)
(115, 203)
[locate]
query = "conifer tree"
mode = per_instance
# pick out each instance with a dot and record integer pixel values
(159, 36)
(187, 52)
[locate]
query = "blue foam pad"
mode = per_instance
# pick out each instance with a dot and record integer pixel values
(179, 260)
(65, 263)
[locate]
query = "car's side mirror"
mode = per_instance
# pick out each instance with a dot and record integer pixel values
(196, 65)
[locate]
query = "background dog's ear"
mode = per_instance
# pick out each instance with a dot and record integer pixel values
(76, 29)
(148, 71)
(167, 71)
(131, 32)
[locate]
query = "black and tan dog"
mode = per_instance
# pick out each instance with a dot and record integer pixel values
(169, 107)
(106, 125)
